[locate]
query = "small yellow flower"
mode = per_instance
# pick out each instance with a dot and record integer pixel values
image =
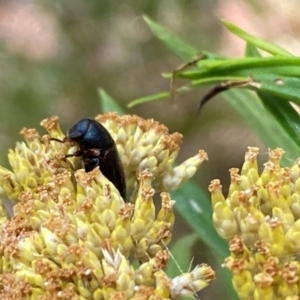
(71, 235)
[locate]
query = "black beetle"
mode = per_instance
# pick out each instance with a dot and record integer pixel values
(97, 149)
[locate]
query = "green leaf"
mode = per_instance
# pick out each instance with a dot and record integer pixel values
(181, 260)
(251, 51)
(263, 123)
(195, 208)
(108, 104)
(259, 43)
(146, 99)
(213, 80)
(284, 113)
(277, 76)
(171, 41)
(247, 66)
(288, 90)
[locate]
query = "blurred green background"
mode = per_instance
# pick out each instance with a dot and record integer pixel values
(54, 55)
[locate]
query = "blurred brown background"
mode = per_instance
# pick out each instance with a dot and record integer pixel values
(55, 54)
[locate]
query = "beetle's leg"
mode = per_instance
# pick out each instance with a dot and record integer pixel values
(90, 163)
(89, 154)
(91, 159)
(76, 153)
(92, 152)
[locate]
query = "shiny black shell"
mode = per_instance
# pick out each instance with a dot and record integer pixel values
(98, 149)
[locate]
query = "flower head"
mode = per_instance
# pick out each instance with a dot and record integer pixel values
(71, 234)
(260, 219)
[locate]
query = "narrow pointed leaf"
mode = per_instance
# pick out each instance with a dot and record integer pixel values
(108, 104)
(248, 66)
(150, 98)
(195, 208)
(259, 43)
(171, 41)
(263, 123)
(289, 90)
(181, 260)
(251, 51)
(285, 115)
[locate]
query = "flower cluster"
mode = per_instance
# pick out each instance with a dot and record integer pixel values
(261, 220)
(72, 236)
